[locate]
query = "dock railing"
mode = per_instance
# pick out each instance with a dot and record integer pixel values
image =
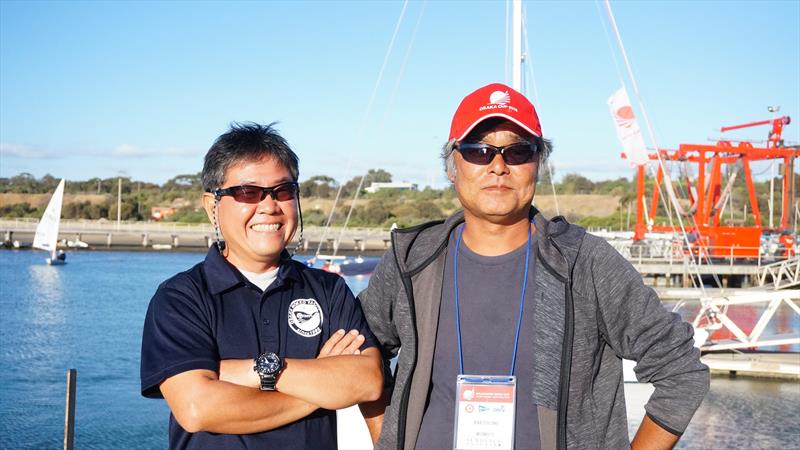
(675, 252)
(714, 315)
(782, 274)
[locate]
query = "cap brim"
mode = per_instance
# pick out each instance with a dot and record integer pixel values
(489, 116)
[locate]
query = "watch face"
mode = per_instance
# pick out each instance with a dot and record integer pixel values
(268, 364)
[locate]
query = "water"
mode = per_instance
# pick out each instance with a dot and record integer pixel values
(88, 315)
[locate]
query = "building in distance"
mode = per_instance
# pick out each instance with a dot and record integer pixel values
(401, 186)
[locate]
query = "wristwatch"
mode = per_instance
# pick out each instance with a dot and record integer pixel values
(268, 366)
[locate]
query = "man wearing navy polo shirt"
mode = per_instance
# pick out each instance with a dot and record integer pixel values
(250, 348)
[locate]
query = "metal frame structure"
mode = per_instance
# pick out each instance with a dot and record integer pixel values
(782, 274)
(713, 316)
(707, 195)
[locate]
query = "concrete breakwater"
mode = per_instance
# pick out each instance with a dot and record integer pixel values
(661, 264)
(162, 235)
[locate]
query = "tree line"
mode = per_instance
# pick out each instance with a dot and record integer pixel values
(379, 209)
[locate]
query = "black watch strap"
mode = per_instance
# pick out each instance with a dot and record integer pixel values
(268, 382)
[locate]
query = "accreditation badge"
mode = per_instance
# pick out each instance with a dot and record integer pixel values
(485, 412)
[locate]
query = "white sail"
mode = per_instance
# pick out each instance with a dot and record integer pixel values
(47, 230)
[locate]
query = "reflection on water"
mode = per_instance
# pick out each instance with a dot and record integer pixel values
(88, 314)
(740, 413)
(48, 306)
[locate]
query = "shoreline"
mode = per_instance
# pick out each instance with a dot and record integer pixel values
(181, 249)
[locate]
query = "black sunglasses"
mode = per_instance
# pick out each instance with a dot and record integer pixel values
(253, 194)
(483, 154)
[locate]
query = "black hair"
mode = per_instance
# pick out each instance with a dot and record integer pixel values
(242, 143)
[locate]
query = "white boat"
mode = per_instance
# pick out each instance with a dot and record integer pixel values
(46, 237)
(77, 243)
(20, 245)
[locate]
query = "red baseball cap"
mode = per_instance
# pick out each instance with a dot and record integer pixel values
(494, 100)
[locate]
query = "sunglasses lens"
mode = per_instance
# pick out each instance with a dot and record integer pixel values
(476, 153)
(284, 192)
(519, 153)
(247, 194)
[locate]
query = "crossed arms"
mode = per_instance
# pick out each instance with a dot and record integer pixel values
(231, 403)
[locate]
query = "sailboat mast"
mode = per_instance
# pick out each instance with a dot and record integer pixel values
(516, 45)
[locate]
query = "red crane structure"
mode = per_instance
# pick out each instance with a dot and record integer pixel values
(707, 195)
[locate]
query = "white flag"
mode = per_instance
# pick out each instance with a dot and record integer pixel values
(627, 129)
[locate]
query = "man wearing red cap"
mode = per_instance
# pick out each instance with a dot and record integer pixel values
(509, 329)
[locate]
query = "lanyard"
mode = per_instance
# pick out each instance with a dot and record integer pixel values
(521, 303)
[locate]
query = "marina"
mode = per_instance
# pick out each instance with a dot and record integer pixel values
(88, 315)
(715, 209)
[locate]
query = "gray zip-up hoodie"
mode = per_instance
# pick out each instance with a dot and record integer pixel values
(591, 310)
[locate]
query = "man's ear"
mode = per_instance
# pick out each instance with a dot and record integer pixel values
(451, 171)
(209, 202)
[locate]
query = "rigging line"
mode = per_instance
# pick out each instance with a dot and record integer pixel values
(767, 167)
(349, 213)
(532, 77)
(369, 110)
(406, 57)
(704, 256)
(608, 41)
(528, 58)
(667, 179)
(505, 53)
(360, 132)
(383, 67)
(328, 222)
(622, 82)
(383, 119)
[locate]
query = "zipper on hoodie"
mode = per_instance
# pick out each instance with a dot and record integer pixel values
(406, 278)
(566, 356)
(402, 414)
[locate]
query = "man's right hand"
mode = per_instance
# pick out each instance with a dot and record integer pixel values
(341, 343)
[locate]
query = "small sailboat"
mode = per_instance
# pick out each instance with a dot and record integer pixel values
(46, 237)
(343, 265)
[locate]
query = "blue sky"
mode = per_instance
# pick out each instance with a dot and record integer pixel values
(143, 88)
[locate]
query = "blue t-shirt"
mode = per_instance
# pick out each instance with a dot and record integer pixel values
(212, 312)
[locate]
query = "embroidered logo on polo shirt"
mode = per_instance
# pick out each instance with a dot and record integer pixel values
(305, 317)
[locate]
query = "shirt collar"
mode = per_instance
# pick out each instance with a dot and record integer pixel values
(222, 275)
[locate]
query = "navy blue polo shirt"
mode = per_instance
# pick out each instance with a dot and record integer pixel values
(212, 312)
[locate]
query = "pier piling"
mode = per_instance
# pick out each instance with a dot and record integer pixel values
(69, 415)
